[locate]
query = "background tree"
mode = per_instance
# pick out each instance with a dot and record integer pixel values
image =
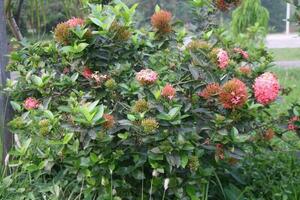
(248, 14)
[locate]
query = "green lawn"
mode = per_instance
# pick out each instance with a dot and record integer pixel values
(286, 54)
(289, 78)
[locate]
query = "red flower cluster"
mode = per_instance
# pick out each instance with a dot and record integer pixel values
(210, 90)
(161, 21)
(233, 94)
(87, 73)
(168, 92)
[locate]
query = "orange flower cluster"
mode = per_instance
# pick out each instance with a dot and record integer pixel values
(210, 90)
(161, 21)
(109, 121)
(233, 94)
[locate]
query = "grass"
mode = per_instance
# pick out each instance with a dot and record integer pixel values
(284, 54)
(288, 78)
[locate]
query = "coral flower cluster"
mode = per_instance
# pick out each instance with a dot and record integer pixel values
(243, 53)
(168, 92)
(223, 58)
(266, 88)
(233, 94)
(31, 103)
(210, 91)
(161, 21)
(146, 77)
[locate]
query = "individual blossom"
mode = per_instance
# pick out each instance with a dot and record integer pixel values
(245, 70)
(73, 22)
(109, 121)
(146, 77)
(87, 73)
(161, 21)
(269, 134)
(140, 106)
(99, 78)
(291, 124)
(266, 88)
(223, 58)
(31, 103)
(233, 94)
(243, 53)
(62, 33)
(168, 92)
(210, 91)
(149, 125)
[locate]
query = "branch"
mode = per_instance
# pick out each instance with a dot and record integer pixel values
(11, 21)
(19, 10)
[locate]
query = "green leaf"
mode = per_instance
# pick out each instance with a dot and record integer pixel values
(99, 114)
(49, 114)
(37, 80)
(92, 106)
(184, 159)
(131, 117)
(67, 138)
(16, 106)
(123, 136)
(157, 8)
(74, 77)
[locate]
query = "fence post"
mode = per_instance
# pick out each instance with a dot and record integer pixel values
(5, 108)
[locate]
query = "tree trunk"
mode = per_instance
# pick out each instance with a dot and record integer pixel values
(8, 10)
(5, 109)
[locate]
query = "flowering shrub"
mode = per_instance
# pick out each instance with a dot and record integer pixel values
(112, 112)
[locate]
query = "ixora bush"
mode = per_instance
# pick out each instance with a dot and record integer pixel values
(108, 111)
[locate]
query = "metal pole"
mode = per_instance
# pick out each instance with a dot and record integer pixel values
(288, 16)
(5, 108)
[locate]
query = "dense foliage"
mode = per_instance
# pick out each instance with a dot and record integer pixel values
(110, 111)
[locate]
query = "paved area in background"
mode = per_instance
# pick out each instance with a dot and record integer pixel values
(283, 41)
(288, 64)
(277, 41)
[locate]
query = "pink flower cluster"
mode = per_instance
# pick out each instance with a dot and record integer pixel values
(291, 124)
(31, 103)
(266, 88)
(241, 52)
(73, 22)
(87, 73)
(223, 58)
(168, 92)
(146, 77)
